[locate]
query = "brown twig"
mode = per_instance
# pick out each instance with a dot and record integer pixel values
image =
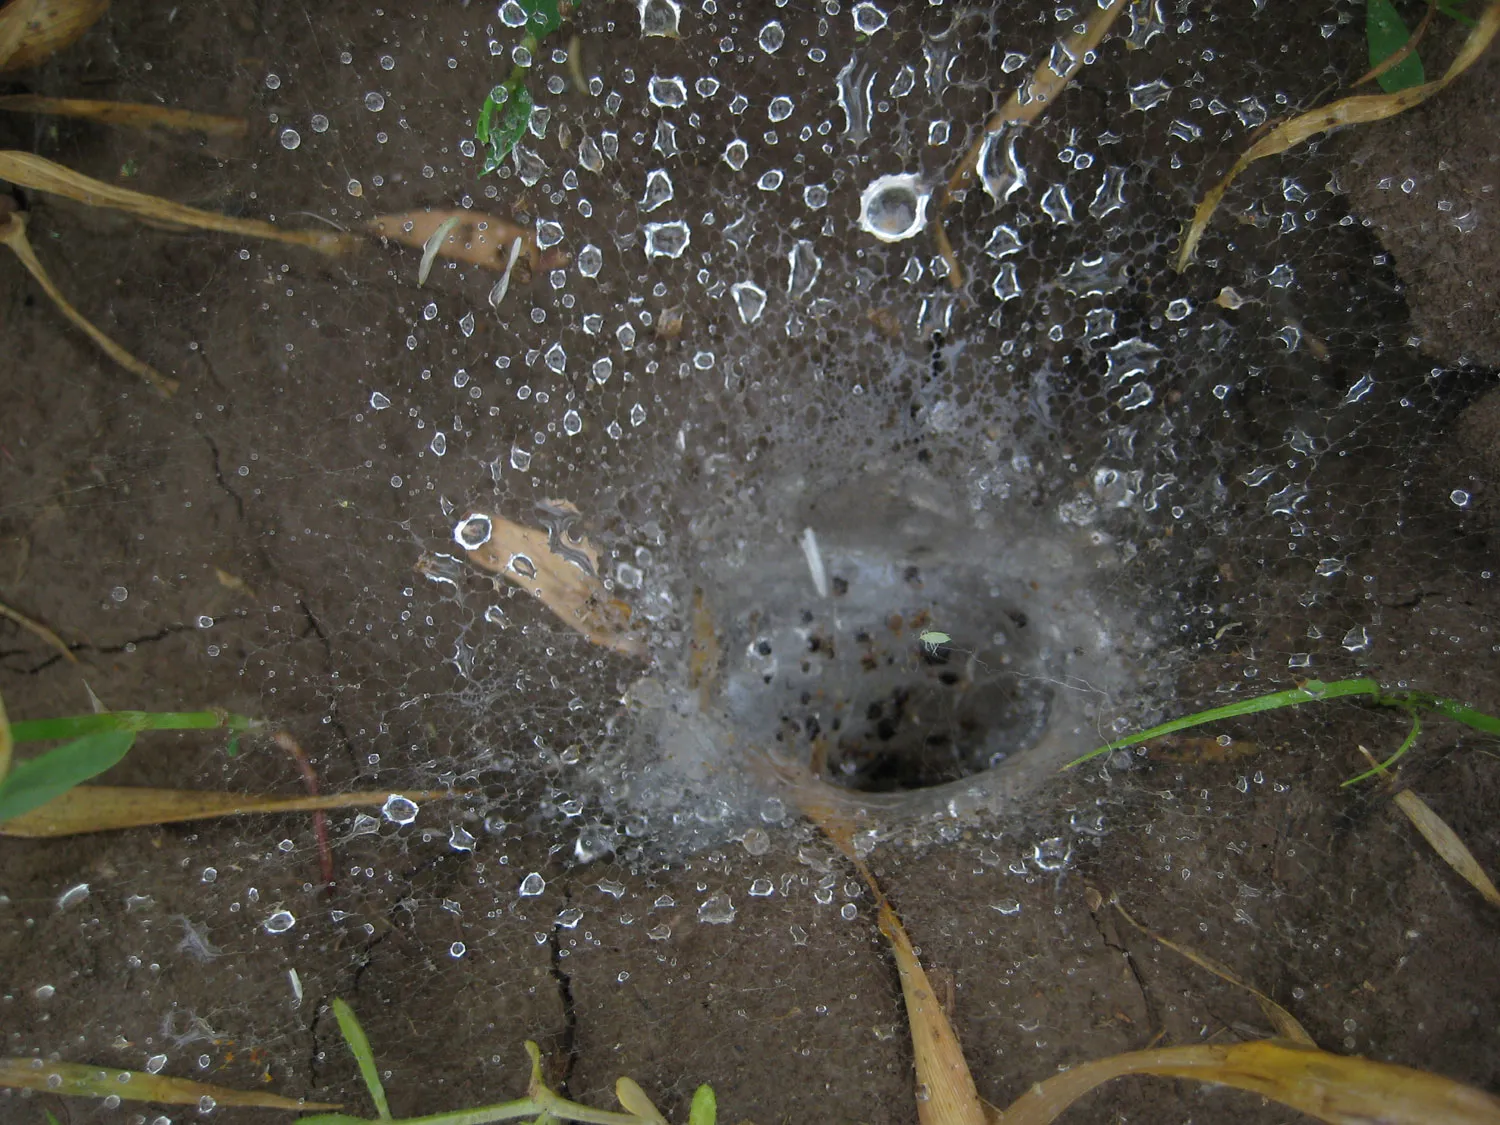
(319, 817)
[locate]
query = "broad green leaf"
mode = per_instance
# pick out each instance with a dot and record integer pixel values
(705, 1109)
(359, 1047)
(1387, 34)
(33, 783)
(543, 17)
(502, 123)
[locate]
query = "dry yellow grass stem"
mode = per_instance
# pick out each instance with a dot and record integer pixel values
(107, 808)
(1283, 1021)
(1332, 1088)
(7, 744)
(13, 234)
(1358, 110)
(40, 174)
(33, 30)
(946, 1094)
(83, 1080)
(40, 630)
(130, 114)
(1030, 101)
(558, 568)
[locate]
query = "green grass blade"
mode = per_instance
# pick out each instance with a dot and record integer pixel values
(1313, 691)
(1466, 715)
(1407, 744)
(35, 782)
(1386, 34)
(73, 726)
(705, 1109)
(359, 1047)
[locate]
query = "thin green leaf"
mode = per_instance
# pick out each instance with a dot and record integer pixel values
(50, 1119)
(502, 124)
(1387, 33)
(33, 783)
(1407, 744)
(543, 17)
(359, 1047)
(72, 726)
(705, 1109)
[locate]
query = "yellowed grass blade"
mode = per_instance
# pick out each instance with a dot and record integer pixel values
(1331, 1088)
(1283, 1021)
(1447, 844)
(1358, 110)
(1031, 99)
(82, 1080)
(131, 114)
(40, 630)
(31, 31)
(7, 744)
(566, 579)
(945, 1088)
(106, 808)
(40, 174)
(470, 236)
(13, 234)
(946, 1094)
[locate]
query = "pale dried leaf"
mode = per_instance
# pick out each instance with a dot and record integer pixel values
(83, 1080)
(561, 570)
(130, 114)
(233, 582)
(40, 174)
(1283, 1021)
(1331, 1088)
(1358, 110)
(31, 31)
(107, 808)
(13, 234)
(635, 1101)
(479, 239)
(1446, 843)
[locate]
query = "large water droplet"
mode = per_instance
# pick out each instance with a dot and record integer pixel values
(279, 922)
(590, 260)
(532, 885)
(771, 37)
(750, 299)
(716, 910)
(803, 266)
(398, 809)
(894, 208)
(473, 532)
(669, 93)
(660, 17)
(667, 240)
(658, 189)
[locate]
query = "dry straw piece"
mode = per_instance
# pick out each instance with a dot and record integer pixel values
(132, 115)
(1358, 110)
(83, 1080)
(33, 30)
(13, 234)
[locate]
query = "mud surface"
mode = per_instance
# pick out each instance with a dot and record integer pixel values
(253, 544)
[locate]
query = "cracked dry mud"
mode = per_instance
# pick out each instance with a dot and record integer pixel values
(119, 511)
